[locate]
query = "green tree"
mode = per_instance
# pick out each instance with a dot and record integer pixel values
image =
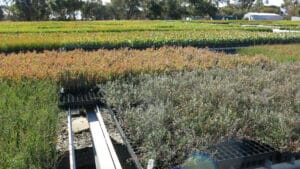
(118, 9)
(59, 9)
(258, 5)
(1, 13)
(133, 9)
(202, 8)
(8, 8)
(93, 10)
(31, 9)
(154, 9)
(65, 9)
(232, 10)
(126, 9)
(41, 10)
(291, 7)
(245, 4)
(269, 9)
(23, 9)
(174, 9)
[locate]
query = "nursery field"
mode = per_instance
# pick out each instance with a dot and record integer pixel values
(155, 85)
(137, 34)
(172, 99)
(30, 81)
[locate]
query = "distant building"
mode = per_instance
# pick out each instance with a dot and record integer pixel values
(262, 16)
(295, 18)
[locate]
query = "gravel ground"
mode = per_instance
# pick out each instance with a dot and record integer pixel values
(82, 138)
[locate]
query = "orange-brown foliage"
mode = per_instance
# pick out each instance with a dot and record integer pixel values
(105, 64)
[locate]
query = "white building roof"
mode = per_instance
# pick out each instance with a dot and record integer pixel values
(262, 16)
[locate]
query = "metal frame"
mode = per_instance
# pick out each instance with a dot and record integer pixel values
(105, 155)
(71, 145)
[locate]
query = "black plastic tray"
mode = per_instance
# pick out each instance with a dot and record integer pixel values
(79, 100)
(246, 154)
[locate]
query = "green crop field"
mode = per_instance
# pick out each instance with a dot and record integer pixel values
(116, 26)
(280, 53)
(172, 98)
(126, 26)
(133, 34)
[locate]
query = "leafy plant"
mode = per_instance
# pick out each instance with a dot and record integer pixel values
(78, 66)
(168, 117)
(73, 82)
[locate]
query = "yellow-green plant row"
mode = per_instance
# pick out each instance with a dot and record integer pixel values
(106, 64)
(116, 26)
(140, 39)
(281, 23)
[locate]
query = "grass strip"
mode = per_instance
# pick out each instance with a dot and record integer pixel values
(280, 53)
(28, 118)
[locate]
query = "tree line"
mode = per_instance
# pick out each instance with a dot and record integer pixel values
(38, 10)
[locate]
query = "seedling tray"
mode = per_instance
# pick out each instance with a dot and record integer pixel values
(79, 100)
(237, 154)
